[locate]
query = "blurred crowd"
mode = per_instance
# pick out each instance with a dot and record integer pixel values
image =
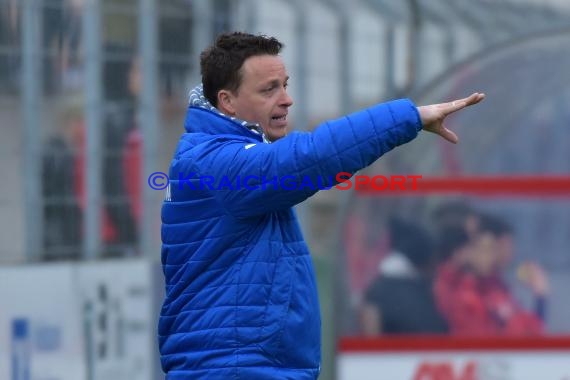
(64, 166)
(64, 169)
(450, 279)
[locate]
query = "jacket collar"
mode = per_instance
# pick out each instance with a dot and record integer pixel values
(201, 120)
(218, 124)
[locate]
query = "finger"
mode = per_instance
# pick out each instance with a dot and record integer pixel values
(449, 135)
(456, 105)
(472, 99)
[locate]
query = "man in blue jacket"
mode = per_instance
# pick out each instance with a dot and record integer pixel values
(241, 298)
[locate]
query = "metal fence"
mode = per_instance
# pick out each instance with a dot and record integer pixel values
(68, 66)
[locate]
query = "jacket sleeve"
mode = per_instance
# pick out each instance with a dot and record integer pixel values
(251, 179)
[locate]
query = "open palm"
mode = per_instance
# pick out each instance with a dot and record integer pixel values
(433, 115)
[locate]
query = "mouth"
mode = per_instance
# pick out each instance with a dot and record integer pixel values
(280, 118)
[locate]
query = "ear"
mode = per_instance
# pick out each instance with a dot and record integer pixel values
(226, 102)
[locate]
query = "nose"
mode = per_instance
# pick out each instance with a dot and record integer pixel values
(286, 100)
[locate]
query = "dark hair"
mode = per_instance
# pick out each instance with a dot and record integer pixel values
(494, 225)
(221, 63)
(452, 212)
(412, 240)
(450, 238)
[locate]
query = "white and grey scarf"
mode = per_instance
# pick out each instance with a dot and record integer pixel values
(197, 99)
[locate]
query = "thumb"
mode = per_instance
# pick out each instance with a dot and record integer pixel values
(448, 135)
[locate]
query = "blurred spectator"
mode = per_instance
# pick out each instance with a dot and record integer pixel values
(65, 175)
(131, 154)
(529, 273)
(468, 289)
(62, 217)
(400, 300)
(122, 150)
(454, 213)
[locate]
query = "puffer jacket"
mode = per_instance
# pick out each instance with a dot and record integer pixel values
(241, 298)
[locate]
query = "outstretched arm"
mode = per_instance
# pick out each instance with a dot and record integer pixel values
(432, 116)
(343, 145)
(347, 144)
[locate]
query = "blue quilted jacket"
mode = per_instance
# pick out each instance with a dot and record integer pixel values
(241, 298)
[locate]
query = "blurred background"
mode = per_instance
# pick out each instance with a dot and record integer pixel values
(93, 95)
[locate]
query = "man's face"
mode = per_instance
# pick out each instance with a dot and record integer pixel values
(262, 96)
(484, 254)
(505, 251)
